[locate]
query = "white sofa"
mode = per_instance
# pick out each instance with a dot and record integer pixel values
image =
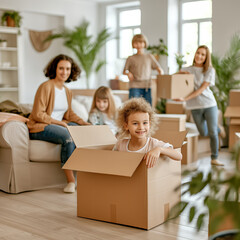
(31, 164)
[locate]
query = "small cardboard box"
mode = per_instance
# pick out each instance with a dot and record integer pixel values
(234, 113)
(172, 122)
(190, 149)
(117, 186)
(175, 86)
(234, 97)
(234, 127)
(173, 107)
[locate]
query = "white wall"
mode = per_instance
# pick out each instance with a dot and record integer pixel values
(44, 15)
(226, 19)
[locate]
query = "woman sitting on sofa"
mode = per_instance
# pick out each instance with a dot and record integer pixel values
(52, 110)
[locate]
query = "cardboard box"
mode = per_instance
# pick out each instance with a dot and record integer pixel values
(175, 86)
(190, 149)
(171, 122)
(116, 186)
(174, 107)
(234, 97)
(234, 127)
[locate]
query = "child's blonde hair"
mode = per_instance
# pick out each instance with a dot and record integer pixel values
(140, 38)
(104, 93)
(131, 106)
(207, 63)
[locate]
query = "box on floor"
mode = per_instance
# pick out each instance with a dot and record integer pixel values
(174, 86)
(233, 112)
(116, 186)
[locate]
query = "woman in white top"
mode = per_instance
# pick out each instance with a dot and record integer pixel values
(201, 101)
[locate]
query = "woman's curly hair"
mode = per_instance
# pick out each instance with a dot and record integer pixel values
(135, 105)
(50, 69)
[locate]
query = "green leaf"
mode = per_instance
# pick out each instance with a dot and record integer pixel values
(200, 221)
(192, 213)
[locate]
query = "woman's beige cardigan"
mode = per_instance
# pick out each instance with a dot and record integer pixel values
(43, 105)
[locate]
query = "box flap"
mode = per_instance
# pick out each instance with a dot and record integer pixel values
(104, 161)
(235, 121)
(90, 135)
(172, 116)
(172, 137)
(232, 112)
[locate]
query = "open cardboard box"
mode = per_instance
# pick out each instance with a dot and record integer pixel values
(117, 186)
(175, 86)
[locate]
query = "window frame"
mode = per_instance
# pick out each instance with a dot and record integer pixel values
(182, 22)
(119, 10)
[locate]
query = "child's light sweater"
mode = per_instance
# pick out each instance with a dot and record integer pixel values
(99, 118)
(122, 145)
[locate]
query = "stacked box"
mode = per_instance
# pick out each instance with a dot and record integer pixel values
(233, 112)
(173, 107)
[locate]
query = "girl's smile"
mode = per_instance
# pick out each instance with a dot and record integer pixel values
(138, 125)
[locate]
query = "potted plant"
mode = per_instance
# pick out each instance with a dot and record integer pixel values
(11, 18)
(159, 49)
(219, 191)
(3, 42)
(227, 74)
(180, 60)
(84, 48)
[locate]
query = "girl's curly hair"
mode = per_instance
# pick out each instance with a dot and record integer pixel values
(131, 106)
(50, 69)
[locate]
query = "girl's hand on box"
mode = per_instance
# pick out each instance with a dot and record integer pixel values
(152, 156)
(183, 72)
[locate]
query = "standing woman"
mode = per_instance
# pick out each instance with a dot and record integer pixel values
(52, 111)
(201, 101)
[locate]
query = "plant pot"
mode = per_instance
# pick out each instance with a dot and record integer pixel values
(10, 22)
(225, 235)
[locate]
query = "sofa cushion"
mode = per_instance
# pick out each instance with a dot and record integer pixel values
(6, 117)
(80, 109)
(41, 151)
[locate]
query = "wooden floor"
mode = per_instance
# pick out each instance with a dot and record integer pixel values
(51, 214)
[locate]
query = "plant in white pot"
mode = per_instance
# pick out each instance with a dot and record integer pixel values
(85, 49)
(3, 42)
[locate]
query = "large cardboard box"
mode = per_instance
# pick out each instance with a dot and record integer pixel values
(234, 97)
(173, 107)
(171, 122)
(116, 186)
(175, 86)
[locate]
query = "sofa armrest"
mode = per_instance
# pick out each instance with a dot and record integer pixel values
(15, 135)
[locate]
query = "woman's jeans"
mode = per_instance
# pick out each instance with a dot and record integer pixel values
(59, 135)
(141, 92)
(206, 120)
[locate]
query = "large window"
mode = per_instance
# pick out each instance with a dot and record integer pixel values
(129, 22)
(195, 26)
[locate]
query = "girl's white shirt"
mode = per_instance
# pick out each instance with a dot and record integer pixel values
(206, 99)
(60, 104)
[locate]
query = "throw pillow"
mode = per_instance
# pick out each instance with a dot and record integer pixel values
(6, 117)
(79, 109)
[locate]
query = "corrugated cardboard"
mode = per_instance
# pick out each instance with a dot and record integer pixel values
(116, 186)
(190, 149)
(174, 107)
(175, 86)
(234, 127)
(171, 122)
(234, 97)
(233, 112)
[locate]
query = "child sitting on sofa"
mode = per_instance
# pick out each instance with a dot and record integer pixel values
(103, 108)
(137, 119)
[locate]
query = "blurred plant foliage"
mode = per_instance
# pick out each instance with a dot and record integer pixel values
(159, 49)
(217, 189)
(227, 73)
(161, 105)
(85, 49)
(180, 60)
